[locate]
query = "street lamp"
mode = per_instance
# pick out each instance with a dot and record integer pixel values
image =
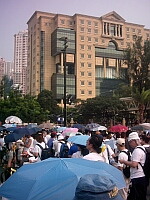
(65, 39)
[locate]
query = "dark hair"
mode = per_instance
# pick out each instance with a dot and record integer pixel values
(84, 150)
(128, 132)
(53, 134)
(145, 138)
(39, 137)
(96, 141)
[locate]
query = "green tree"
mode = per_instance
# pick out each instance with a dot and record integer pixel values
(137, 58)
(142, 100)
(48, 103)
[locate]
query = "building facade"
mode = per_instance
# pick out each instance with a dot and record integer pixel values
(94, 53)
(20, 60)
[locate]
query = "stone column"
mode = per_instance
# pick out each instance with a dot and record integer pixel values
(104, 67)
(62, 63)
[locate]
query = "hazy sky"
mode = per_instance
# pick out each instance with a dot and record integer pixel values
(14, 15)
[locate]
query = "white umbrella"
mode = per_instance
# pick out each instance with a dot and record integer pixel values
(100, 128)
(13, 119)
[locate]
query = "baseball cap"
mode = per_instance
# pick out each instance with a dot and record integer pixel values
(120, 141)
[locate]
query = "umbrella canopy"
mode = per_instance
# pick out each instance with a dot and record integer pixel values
(92, 126)
(146, 126)
(118, 128)
(31, 126)
(9, 125)
(13, 119)
(46, 125)
(60, 129)
(19, 133)
(69, 130)
(55, 177)
(100, 128)
(79, 139)
(137, 128)
(79, 126)
(111, 143)
(70, 134)
(11, 129)
(2, 128)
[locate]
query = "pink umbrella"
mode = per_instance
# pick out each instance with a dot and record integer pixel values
(67, 130)
(118, 128)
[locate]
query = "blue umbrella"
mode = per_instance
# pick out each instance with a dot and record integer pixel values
(55, 178)
(19, 133)
(79, 139)
(79, 126)
(10, 129)
(31, 126)
(111, 143)
(92, 126)
(61, 129)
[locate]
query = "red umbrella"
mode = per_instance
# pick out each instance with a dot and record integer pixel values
(118, 128)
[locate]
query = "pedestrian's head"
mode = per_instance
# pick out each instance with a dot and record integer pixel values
(144, 139)
(120, 143)
(53, 134)
(133, 139)
(39, 137)
(94, 143)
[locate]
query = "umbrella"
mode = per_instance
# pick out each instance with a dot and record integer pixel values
(111, 143)
(79, 126)
(2, 128)
(79, 139)
(100, 128)
(13, 119)
(67, 130)
(19, 133)
(118, 128)
(10, 129)
(55, 178)
(9, 125)
(60, 129)
(137, 128)
(31, 126)
(46, 125)
(70, 134)
(146, 126)
(92, 126)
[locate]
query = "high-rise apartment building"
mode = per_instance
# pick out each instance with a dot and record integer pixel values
(2, 66)
(20, 59)
(9, 69)
(93, 56)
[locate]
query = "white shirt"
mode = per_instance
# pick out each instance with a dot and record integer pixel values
(38, 150)
(77, 155)
(1, 143)
(94, 156)
(138, 155)
(105, 154)
(122, 156)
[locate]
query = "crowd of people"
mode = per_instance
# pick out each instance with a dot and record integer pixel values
(128, 145)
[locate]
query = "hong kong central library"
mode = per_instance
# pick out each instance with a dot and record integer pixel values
(94, 53)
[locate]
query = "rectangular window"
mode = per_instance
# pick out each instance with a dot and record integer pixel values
(95, 24)
(89, 56)
(82, 64)
(70, 23)
(89, 23)
(128, 36)
(139, 31)
(81, 21)
(89, 74)
(82, 55)
(82, 92)
(89, 39)
(90, 92)
(133, 30)
(127, 29)
(89, 65)
(89, 30)
(82, 46)
(89, 47)
(82, 73)
(95, 31)
(82, 83)
(82, 38)
(103, 41)
(147, 35)
(96, 40)
(89, 83)
(62, 21)
(128, 44)
(81, 29)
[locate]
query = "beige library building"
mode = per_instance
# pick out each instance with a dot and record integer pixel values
(93, 51)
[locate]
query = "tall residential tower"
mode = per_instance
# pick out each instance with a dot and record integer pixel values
(20, 59)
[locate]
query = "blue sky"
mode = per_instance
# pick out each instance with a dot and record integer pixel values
(14, 15)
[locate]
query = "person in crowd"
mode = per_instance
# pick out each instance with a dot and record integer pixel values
(28, 144)
(120, 143)
(11, 155)
(138, 184)
(73, 149)
(37, 150)
(44, 132)
(82, 151)
(1, 147)
(93, 144)
(50, 142)
(144, 140)
(127, 142)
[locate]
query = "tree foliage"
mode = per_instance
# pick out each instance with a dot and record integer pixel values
(137, 58)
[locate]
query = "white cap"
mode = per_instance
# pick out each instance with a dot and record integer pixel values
(120, 141)
(133, 136)
(60, 137)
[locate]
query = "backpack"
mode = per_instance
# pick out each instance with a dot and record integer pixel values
(46, 152)
(64, 149)
(126, 169)
(146, 167)
(5, 175)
